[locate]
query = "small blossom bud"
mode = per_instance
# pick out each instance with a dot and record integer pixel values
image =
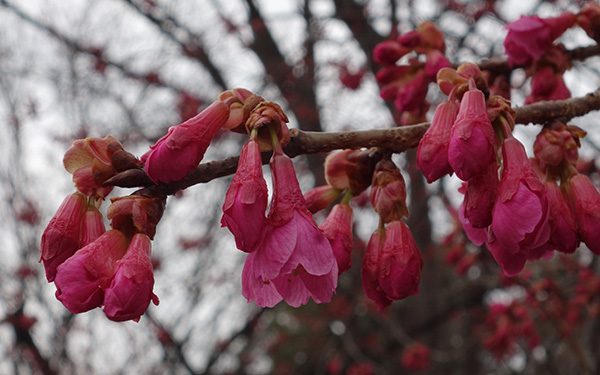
(265, 116)
(138, 212)
(336, 165)
(338, 230)
(180, 151)
(321, 197)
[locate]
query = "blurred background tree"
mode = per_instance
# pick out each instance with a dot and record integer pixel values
(132, 68)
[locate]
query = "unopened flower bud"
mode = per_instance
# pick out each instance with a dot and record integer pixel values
(265, 116)
(388, 192)
(138, 212)
(321, 197)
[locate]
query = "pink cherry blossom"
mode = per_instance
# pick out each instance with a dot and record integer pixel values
(563, 227)
(476, 235)
(180, 151)
(338, 230)
(130, 291)
(521, 212)
(246, 200)
(80, 281)
(547, 85)
(295, 260)
(529, 37)
(432, 154)
(62, 237)
(585, 200)
(392, 265)
(480, 196)
(471, 146)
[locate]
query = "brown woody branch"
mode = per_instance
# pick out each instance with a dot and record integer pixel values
(395, 140)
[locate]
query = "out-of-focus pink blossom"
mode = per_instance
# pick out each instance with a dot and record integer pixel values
(471, 147)
(392, 265)
(432, 154)
(589, 20)
(338, 230)
(389, 51)
(521, 212)
(547, 85)
(585, 200)
(410, 96)
(416, 357)
(530, 36)
(436, 60)
(180, 151)
(295, 260)
(62, 237)
(80, 281)
(130, 290)
(246, 200)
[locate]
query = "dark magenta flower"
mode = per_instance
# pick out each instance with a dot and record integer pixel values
(130, 291)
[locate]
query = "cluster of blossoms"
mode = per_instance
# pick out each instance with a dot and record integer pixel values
(511, 203)
(407, 84)
(92, 267)
(530, 44)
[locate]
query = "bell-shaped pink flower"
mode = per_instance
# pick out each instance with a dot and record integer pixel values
(294, 261)
(392, 271)
(62, 237)
(529, 37)
(510, 263)
(563, 228)
(246, 200)
(338, 230)
(480, 196)
(93, 226)
(80, 281)
(388, 192)
(180, 151)
(130, 290)
(471, 147)
(432, 154)
(521, 212)
(585, 199)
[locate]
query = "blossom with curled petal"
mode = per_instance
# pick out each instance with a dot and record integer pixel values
(130, 291)
(294, 261)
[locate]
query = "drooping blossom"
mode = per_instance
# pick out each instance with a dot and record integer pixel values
(321, 197)
(521, 212)
(432, 153)
(180, 151)
(294, 261)
(563, 227)
(388, 192)
(471, 147)
(585, 200)
(62, 237)
(338, 230)
(246, 200)
(392, 265)
(130, 291)
(476, 235)
(80, 281)
(530, 36)
(480, 196)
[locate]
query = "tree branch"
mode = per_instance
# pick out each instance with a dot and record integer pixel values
(395, 140)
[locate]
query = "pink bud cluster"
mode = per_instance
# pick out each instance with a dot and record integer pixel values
(92, 267)
(512, 204)
(407, 84)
